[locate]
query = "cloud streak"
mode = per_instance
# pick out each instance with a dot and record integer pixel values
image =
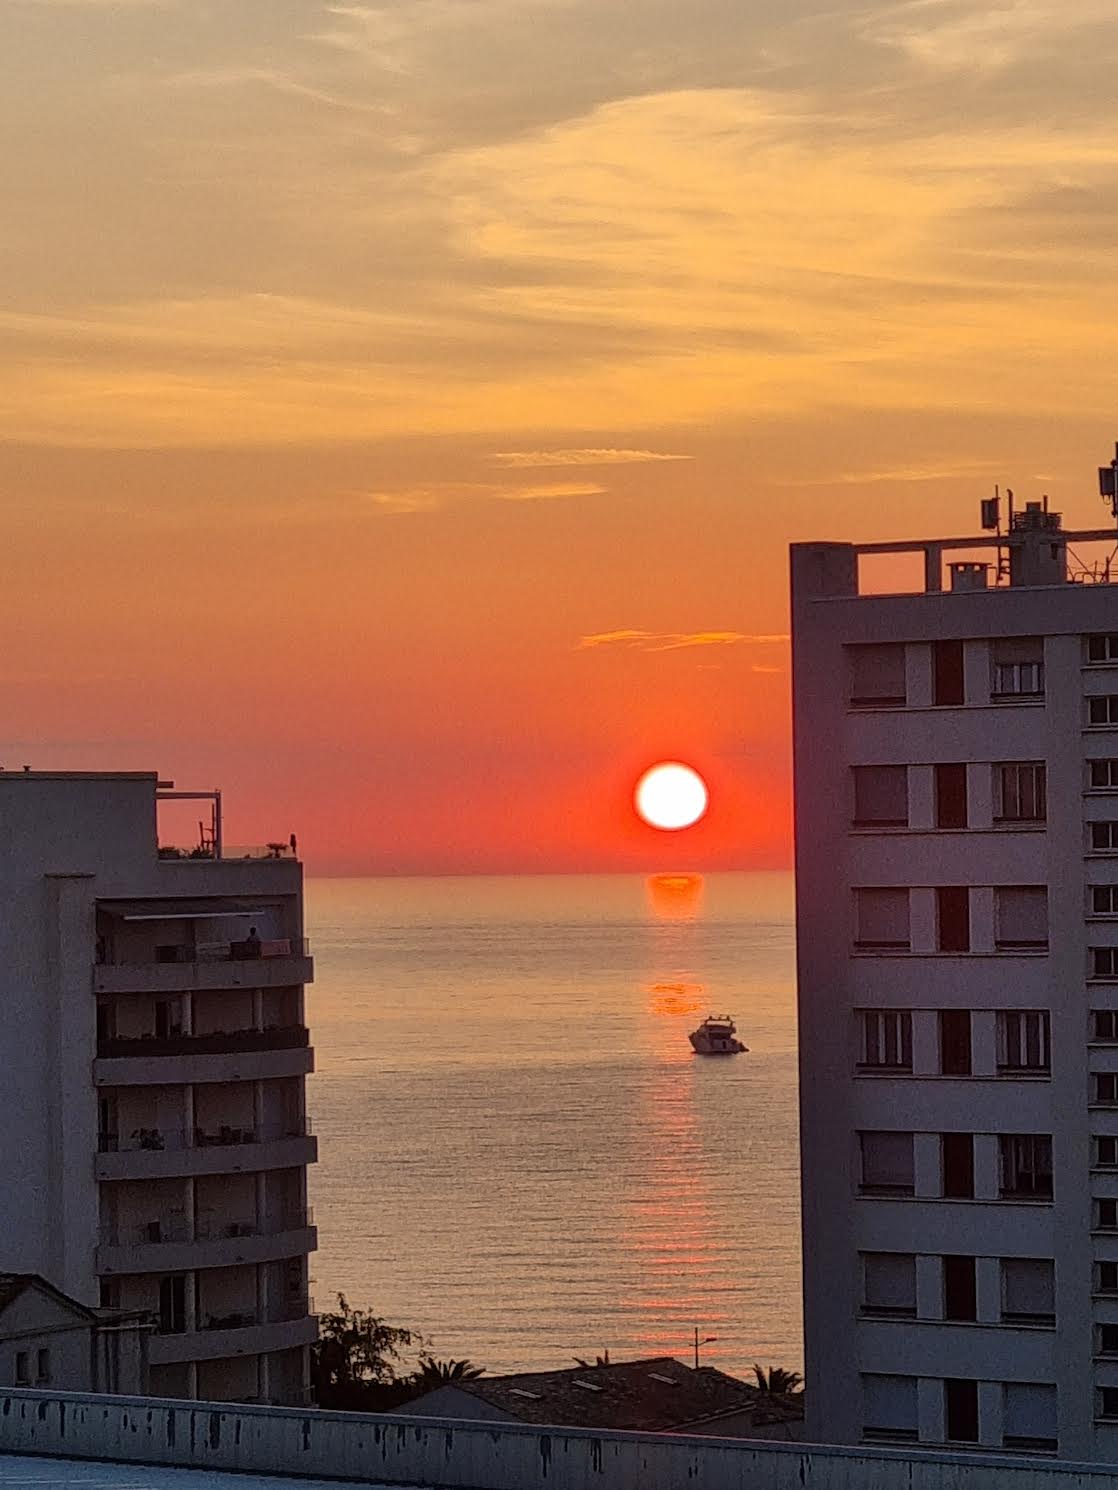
(674, 641)
(518, 460)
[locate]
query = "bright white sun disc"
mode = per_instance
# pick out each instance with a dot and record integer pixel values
(671, 796)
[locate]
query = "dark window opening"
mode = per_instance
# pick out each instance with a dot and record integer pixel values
(957, 1153)
(961, 1410)
(954, 1042)
(951, 796)
(947, 672)
(960, 1289)
(953, 918)
(172, 1305)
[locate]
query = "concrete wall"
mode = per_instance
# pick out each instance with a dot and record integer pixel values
(464, 1456)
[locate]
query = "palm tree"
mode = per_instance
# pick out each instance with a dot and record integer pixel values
(432, 1372)
(777, 1381)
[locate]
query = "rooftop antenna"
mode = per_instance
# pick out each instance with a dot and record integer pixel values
(1108, 484)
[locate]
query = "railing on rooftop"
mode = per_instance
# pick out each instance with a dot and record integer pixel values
(208, 852)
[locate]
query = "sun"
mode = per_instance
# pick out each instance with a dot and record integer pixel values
(671, 796)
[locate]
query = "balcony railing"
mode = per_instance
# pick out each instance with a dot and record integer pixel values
(207, 853)
(224, 1136)
(216, 1042)
(247, 950)
(175, 1229)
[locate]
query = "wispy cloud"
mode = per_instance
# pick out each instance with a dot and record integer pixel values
(901, 475)
(439, 494)
(518, 460)
(673, 641)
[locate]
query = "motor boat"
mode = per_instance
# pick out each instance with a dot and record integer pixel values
(717, 1035)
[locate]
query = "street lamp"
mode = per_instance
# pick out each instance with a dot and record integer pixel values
(706, 1340)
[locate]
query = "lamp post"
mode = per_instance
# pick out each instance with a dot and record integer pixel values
(706, 1340)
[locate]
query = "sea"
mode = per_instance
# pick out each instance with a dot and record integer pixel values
(520, 1157)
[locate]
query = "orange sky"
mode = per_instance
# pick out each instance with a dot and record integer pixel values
(360, 361)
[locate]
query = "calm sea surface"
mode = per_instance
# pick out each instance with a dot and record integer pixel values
(519, 1154)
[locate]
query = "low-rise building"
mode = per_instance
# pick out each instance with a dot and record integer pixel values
(49, 1340)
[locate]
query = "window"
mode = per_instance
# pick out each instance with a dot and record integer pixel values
(960, 1403)
(882, 920)
(1102, 648)
(1026, 1166)
(172, 1304)
(957, 1165)
(953, 918)
(1106, 1215)
(1104, 900)
(1103, 709)
(1102, 775)
(877, 676)
(886, 1039)
(1105, 1026)
(1106, 1277)
(1020, 792)
(951, 796)
(1108, 1402)
(947, 673)
(1029, 1416)
(1106, 1152)
(1021, 918)
(889, 1284)
(1103, 837)
(887, 1167)
(889, 1408)
(1028, 1290)
(954, 1042)
(23, 1368)
(1023, 1041)
(42, 1364)
(1106, 1339)
(1106, 1088)
(1104, 962)
(881, 796)
(1018, 667)
(960, 1290)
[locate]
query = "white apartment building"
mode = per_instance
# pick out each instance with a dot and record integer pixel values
(956, 762)
(155, 1056)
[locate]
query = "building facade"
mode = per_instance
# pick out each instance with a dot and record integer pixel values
(957, 899)
(49, 1341)
(156, 1117)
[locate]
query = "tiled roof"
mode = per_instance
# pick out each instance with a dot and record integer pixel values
(653, 1396)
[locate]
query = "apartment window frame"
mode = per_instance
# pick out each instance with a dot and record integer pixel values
(885, 1033)
(882, 945)
(886, 654)
(1018, 903)
(873, 1308)
(892, 1432)
(1106, 1339)
(1104, 1088)
(956, 1166)
(956, 1039)
(1102, 836)
(960, 1288)
(1102, 773)
(1024, 1042)
(1102, 902)
(1106, 1403)
(42, 1366)
(1029, 1442)
(1025, 1167)
(1102, 964)
(960, 1410)
(865, 786)
(1017, 680)
(1105, 1146)
(22, 1371)
(1102, 710)
(1037, 1318)
(949, 674)
(879, 1184)
(1106, 1213)
(953, 907)
(1106, 1277)
(952, 795)
(1020, 792)
(1104, 1026)
(1101, 648)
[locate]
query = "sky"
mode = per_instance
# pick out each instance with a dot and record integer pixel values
(405, 407)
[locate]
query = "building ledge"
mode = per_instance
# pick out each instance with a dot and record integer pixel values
(252, 1339)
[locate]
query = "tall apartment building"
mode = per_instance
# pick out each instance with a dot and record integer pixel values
(957, 892)
(155, 1055)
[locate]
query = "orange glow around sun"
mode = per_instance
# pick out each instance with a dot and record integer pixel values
(671, 796)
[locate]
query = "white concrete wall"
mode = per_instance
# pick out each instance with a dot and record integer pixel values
(464, 1456)
(836, 1101)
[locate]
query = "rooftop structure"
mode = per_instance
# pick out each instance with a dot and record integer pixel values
(156, 1140)
(659, 1395)
(957, 903)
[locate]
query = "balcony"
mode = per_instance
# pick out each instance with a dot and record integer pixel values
(250, 1055)
(159, 1153)
(218, 1042)
(168, 1245)
(278, 964)
(232, 1335)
